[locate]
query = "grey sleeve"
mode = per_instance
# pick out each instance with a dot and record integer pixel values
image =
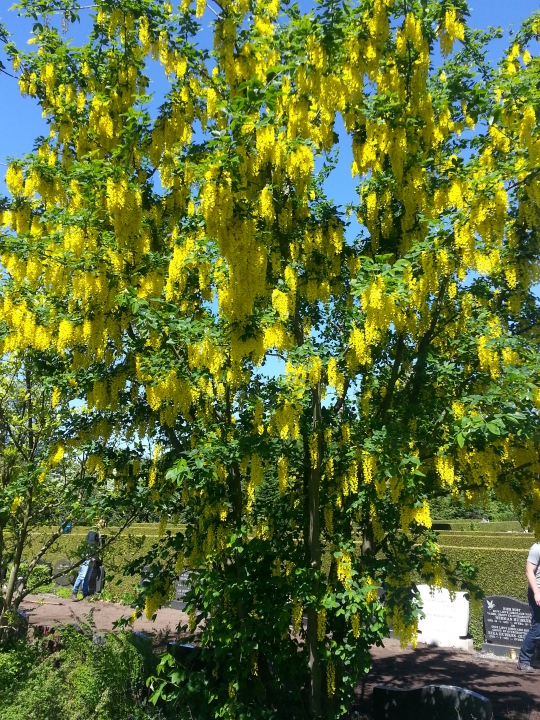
(534, 554)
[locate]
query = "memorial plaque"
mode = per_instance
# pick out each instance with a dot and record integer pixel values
(62, 566)
(447, 618)
(183, 585)
(433, 702)
(506, 622)
(146, 575)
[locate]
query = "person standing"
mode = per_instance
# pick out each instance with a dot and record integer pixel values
(533, 594)
(82, 580)
(85, 570)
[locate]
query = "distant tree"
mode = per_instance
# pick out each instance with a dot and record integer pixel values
(43, 484)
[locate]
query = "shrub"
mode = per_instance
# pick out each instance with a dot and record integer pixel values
(81, 680)
(16, 660)
(521, 541)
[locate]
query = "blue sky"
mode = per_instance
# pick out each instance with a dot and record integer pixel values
(21, 122)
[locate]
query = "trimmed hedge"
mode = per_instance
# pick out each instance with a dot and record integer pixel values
(523, 540)
(119, 587)
(479, 526)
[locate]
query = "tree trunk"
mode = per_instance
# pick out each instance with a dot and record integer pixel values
(12, 598)
(314, 545)
(1, 569)
(367, 539)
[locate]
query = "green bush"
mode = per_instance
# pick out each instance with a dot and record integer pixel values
(488, 540)
(79, 681)
(16, 661)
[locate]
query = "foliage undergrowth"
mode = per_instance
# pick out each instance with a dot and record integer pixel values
(71, 677)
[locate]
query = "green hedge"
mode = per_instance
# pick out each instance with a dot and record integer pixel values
(479, 526)
(501, 540)
(119, 587)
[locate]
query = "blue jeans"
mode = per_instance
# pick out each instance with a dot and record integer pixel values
(82, 578)
(533, 636)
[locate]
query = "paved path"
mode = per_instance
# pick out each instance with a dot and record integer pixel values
(512, 693)
(51, 610)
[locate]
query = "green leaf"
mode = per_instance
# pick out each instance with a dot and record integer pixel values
(493, 428)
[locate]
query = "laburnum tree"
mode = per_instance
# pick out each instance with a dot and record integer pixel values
(305, 390)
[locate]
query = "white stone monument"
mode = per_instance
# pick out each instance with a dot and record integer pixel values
(447, 621)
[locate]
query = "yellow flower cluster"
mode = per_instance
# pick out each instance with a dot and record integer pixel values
(444, 465)
(283, 474)
(371, 595)
(56, 454)
(300, 167)
(258, 416)
(436, 571)
(175, 392)
(314, 450)
(285, 420)
(296, 615)
(329, 520)
(407, 633)
(380, 308)
(360, 353)
(330, 678)
(355, 625)
(154, 601)
(255, 480)
(14, 180)
(336, 379)
(266, 205)
(452, 29)
(488, 357)
(124, 204)
(344, 568)
(282, 303)
(369, 466)
(162, 525)
(352, 476)
(152, 474)
(484, 466)
(421, 515)
(207, 355)
(16, 504)
(321, 624)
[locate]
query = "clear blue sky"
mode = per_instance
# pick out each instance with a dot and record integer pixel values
(21, 122)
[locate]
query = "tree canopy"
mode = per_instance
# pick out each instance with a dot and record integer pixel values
(305, 389)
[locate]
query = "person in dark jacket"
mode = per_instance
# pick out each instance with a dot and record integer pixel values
(86, 567)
